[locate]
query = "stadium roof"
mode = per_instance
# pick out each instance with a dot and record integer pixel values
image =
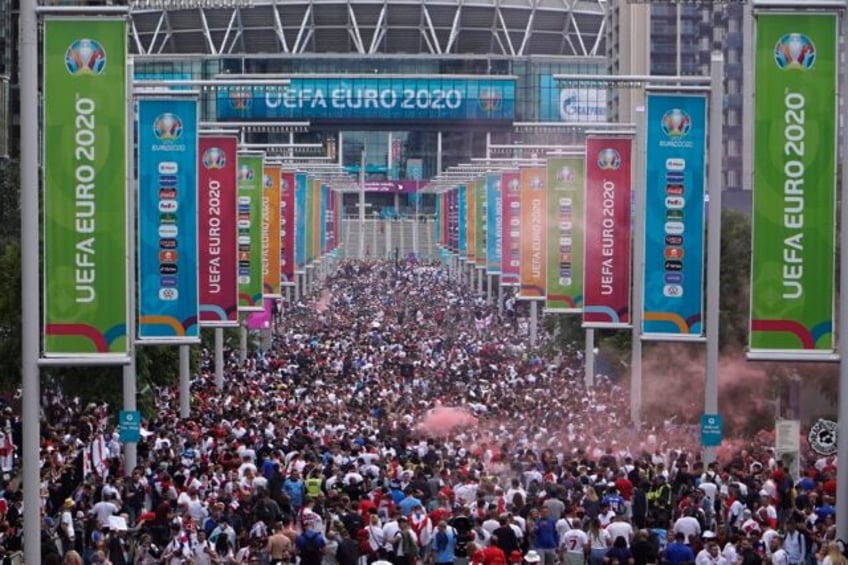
(374, 27)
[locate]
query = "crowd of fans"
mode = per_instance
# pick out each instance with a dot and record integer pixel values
(399, 418)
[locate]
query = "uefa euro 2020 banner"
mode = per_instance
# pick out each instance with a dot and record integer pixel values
(480, 207)
(564, 291)
(471, 221)
(300, 182)
(795, 119)
(249, 225)
(674, 217)
(511, 212)
(287, 242)
(606, 263)
(462, 221)
(86, 308)
(168, 299)
(271, 231)
(494, 224)
(217, 265)
(532, 268)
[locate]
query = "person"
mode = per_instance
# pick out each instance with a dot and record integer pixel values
(619, 553)
(66, 532)
(678, 552)
(490, 555)
(310, 545)
(831, 555)
(443, 544)
(599, 542)
(574, 547)
(405, 544)
(545, 537)
(778, 554)
(644, 552)
(348, 550)
(279, 546)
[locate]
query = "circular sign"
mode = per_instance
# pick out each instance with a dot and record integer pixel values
(822, 437)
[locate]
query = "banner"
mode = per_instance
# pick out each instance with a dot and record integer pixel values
(310, 220)
(323, 218)
(167, 220)
(674, 216)
(300, 183)
(480, 224)
(453, 220)
(287, 243)
(792, 258)
(462, 221)
(532, 270)
(271, 231)
(511, 228)
(217, 244)
(86, 308)
(471, 221)
(494, 224)
(565, 234)
(606, 269)
(249, 222)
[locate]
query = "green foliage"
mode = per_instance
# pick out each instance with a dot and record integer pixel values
(735, 277)
(10, 316)
(10, 208)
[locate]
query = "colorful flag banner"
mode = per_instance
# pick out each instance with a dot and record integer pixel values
(606, 270)
(217, 244)
(287, 243)
(167, 220)
(511, 228)
(471, 221)
(794, 226)
(86, 308)
(565, 234)
(480, 223)
(462, 221)
(674, 217)
(300, 184)
(271, 232)
(532, 270)
(494, 224)
(249, 223)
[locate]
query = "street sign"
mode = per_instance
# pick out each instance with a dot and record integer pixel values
(129, 426)
(710, 430)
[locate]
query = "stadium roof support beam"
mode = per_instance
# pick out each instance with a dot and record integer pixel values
(307, 16)
(454, 32)
(136, 37)
(278, 28)
(566, 31)
(571, 9)
(506, 30)
(496, 33)
(206, 32)
(229, 30)
(601, 31)
(168, 34)
(435, 47)
(528, 29)
(379, 29)
(353, 30)
(159, 24)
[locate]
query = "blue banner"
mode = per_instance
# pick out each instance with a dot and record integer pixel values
(462, 219)
(674, 216)
(494, 224)
(167, 220)
(387, 99)
(566, 103)
(300, 222)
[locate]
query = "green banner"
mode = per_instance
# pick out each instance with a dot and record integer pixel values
(565, 234)
(85, 196)
(792, 264)
(480, 225)
(250, 170)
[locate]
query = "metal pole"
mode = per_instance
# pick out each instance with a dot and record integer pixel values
(362, 204)
(129, 376)
(297, 287)
(638, 268)
(243, 342)
(489, 288)
(589, 372)
(679, 41)
(500, 298)
(185, 383)
(374, 236)
(388, 230)
(219, 358)
(534, 320)
(842, 484)
(30, 298)
(479, 281)
(713, 240)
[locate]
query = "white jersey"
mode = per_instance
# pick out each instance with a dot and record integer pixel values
(574, 541)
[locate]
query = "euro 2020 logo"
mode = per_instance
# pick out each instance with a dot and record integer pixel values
(536, 183)
(676, 123)
(609, 159)
(245, 173)
(167, 127)
(795, 51)
(214, 158)
(85, 57)
(266, 181)
(566, 175)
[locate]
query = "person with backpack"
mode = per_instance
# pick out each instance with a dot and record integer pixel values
(310, 545)
(443, 544)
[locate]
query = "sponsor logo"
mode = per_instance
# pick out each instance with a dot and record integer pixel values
(609, 159)
(672, 177)
(167, 193)
(168, 281)
(168, 168)
(675, 202)
(514, 185)
(168, 256)
(674, 189)
(167, 218)
(674, 215)
(673, 278)
(822, 437)
(676, 123)
(675, 253)
(168, 294)
(244, 279)
(244, 224)
(674, 240)
(266, 181)
(168, 180)
(167, 243)
(168, 230)
(674, 228)
(673, 265)
(672, 291)
(167, 205)
(794, 51)
(85, 57)
(244, 256)
(214, 158)
(168, 269)
(244, 200)
(167, 127)
(675, 164)
(244, 240)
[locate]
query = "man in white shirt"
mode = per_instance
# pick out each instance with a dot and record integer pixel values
(573, 547)
(778, 554)
(621, 527)
(688, 526)
(794, 544)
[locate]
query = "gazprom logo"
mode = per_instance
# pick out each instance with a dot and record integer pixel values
(85, 57)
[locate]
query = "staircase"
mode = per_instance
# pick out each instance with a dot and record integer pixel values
(383, 237)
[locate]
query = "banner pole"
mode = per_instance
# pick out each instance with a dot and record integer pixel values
(184, 382)
(714, 241)
(842, 483)
(534, 321)
(219, 358)
(30, 301)
(589, 371)
(129, 377)
(638, 187)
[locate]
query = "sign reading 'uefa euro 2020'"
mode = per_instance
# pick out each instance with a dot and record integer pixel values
(85, 220)
(391, 98)
(300, 181)
(494, 224)
(674, 216)
(167, 220)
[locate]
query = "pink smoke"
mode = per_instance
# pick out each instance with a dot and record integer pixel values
(442, 420)
(261, 320)
(323, 303)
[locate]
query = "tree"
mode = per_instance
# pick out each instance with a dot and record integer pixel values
(734, 280)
